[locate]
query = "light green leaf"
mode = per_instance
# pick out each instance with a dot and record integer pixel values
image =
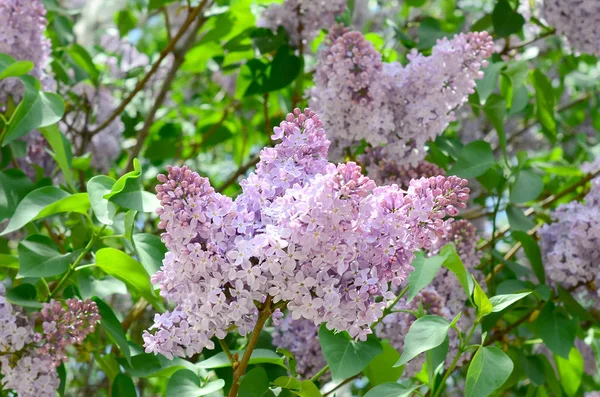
(545, 103)
(424, 334)
(501, 302)
(14, 185)
(9, 261)
(570, 371)
(39, 257)
(425, 271)
(62, 151)
(381, 369)
(488, 371)
(97, 188)
(391, 390)
(453, 263)
(484, 306)
(128, 192)
(259, 356)
(16, 69)
(473, 160)
(151, 251)
(131, 272)
(185, 382)
(37, 109)
(495, 110)
(345, 356)
(43, 202)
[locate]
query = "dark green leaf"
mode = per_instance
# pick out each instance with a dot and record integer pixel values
(381, 369)
(62, 151)
(488, 371)
(255, 384)
(259, 356)
(556, 329)
(545, 102)
(518, 220)
(123, 386)
(23, 295)
(425, 271)
(14, 185)
(151, 251)
(81, 58)
(345, 356)
(113, 327)
(391, 390)
(495, 110)
(473, 160)
(533, 253)
(528, 186)
(39, 257)
(506, 21)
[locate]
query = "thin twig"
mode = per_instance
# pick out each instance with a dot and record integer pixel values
(164, 90)
(140, 85)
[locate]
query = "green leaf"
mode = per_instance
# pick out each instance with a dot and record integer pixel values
(155, 4)
(37, 109)
(9, 261)
(113, 327)
(453, 263)
(488, 371)
(506, 21)
(570, 371)
(484, 306)
(556, 329)
(185, 382)
(429, 32)
(309, 389)
(501, 302)
(16, 69)
(255, 384)
(259, 356)
(62, 151)
(14, 185)
(151, 251)
(287, 382)
(123, 386)
(473, 160)
(131, 272)
(147, 365)
(487, 85)
(391, 390)
(126, 21)
(495, 110)
(82, 59)
(283, 70)
(381, 369)
(39, 257)
(23, 295)
(424, 334)
(545, 102)
(571, 304)
(97, 188)
(43, 202)
(425, 271)
(528, 186)
(518, 220)
(533, 253)
(345, 356)
(128, 192)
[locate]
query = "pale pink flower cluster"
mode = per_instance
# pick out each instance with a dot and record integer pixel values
(388, 104)
(302, 19)
(28, 359)
(577, 20)
(321, 239)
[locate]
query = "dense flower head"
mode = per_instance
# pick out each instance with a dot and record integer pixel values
(387, 104)
(302, 19)
(301, 338)
(571, 245)
(22, 26)
(225, 255)
(28, 359)
(577, 20)
(385, 170)
(105, 146)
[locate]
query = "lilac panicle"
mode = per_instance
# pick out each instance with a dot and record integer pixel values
(387, 104)
(577, 20)
(224, 255)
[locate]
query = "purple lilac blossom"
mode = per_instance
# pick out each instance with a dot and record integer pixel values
(571, 244)
(387, 104)
(106, 145)
(384, 170)
(302, 19)
(28, 359)
(577, 20)
(225, 254)
(301, 337)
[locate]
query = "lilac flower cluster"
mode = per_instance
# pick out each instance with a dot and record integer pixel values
(224, 255)
(105, 146)
(302, 19)
(571, 245)
(388, 104)
(577, 20)
(384, 170)
(22, 26)
(28, 359)
(301, 337)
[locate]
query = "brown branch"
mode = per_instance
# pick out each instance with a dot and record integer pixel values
(163, 54)
(136, 312)
(164, 90)
(239, 369)
(241, 171)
